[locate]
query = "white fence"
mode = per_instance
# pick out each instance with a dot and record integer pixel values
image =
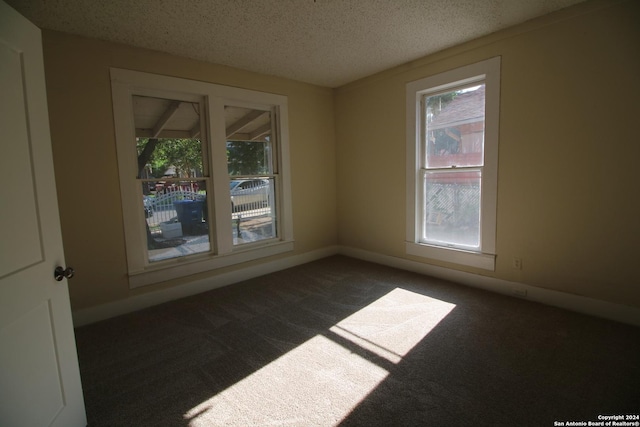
(161, 208)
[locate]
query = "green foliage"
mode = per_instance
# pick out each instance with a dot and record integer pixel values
(247, 157)
(183, 154)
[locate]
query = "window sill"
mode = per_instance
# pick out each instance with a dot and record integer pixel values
(455, 256)
(162, 273)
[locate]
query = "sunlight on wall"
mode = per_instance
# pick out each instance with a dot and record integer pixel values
(325, 378)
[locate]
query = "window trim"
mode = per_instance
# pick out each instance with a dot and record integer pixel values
(125, 84)
(487, 71)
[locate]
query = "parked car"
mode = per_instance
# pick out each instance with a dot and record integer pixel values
(248, 194)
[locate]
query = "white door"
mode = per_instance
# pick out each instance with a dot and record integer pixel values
(39, 376)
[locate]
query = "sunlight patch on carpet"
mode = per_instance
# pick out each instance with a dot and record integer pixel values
(315, 380)
(392, 325)
(324, 379)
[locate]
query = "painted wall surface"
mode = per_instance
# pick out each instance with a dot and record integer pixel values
(568, 190)
(82, 131)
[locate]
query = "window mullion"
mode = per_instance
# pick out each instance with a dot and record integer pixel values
(220, 176)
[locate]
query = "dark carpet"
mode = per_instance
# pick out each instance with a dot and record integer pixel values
(345, 342)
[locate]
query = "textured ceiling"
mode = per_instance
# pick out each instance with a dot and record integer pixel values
(325, 42)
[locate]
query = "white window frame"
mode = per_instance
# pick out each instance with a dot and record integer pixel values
(125, 84)
(487, 72)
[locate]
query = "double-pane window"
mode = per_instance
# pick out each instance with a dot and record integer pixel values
(202, 175)
(173, 174)
(252, 174)
(452, 143)
(453, 161)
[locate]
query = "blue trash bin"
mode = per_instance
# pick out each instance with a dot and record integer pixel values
(189, 215)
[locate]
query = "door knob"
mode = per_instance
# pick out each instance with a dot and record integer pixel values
(59, 273)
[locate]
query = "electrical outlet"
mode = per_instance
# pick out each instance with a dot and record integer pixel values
(517, 263)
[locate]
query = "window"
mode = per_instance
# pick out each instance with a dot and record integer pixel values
(203, 175)
(452, 153)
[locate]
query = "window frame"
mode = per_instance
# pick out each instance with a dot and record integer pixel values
(487, 72)
(141, 272)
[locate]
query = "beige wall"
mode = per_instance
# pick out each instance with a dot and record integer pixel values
(79, 96)
(568, 190)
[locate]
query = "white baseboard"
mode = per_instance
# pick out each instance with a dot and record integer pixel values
(116, 308)
(608, 310)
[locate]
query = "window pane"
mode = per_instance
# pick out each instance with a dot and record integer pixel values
(176, 220)
(455, 128)
(451, 215)
(168, 137)
(251, 173)
(169, 158)
(248, 141)
(248, 157)
(253, 209)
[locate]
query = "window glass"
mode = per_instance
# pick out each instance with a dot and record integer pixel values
(253, 211)
(177, 221)
(249, 157)
(452, 208)
(454, 142)
(171, 169)
(455, 127)
(251, 173)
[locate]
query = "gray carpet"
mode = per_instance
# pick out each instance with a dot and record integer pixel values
(346, 342)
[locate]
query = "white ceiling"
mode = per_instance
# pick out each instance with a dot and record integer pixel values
(325, 42)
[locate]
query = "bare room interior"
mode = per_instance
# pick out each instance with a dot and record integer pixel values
(312, 291)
